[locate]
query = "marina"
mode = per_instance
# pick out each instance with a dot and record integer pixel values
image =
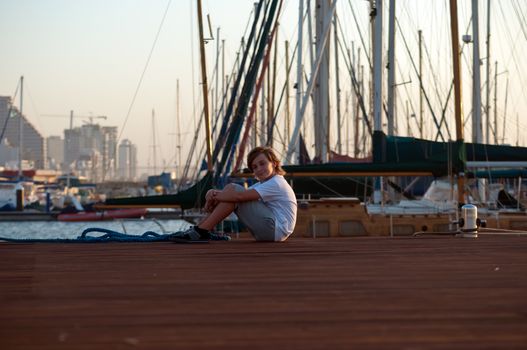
(430, 292)
(334, 128)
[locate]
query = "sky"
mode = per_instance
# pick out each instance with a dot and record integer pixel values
(102, 58)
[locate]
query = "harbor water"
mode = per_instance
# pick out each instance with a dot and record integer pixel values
(72, 230)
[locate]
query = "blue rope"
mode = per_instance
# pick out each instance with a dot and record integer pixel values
(109, 236)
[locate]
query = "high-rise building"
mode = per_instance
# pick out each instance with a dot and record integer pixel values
(33, 146)
(109, 151)
(55, 152)
(127, 161)
(72, 147)
(90, 150)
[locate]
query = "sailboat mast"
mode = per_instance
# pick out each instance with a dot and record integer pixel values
(458, 106)
(154, 140)
(487, 100)
(299, 80)
(476, 77)
(204, 86)
(287, 112)
(321, 90)
(337, 87)
(421, 104)
(391, 69)
(377, 88)
(20, 128)
(377, 67)
(496, 134)
(178, 132)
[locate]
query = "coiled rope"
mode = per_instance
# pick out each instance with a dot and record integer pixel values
(108, 236)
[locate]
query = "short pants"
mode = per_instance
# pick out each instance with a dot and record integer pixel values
(257, 217)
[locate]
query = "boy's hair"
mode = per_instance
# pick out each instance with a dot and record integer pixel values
(269, 154)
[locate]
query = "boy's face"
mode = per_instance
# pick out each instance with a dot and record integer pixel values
(262, 167)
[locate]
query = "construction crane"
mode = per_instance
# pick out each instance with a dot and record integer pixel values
(71, 116)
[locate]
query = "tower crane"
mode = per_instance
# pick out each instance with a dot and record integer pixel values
(71, 116)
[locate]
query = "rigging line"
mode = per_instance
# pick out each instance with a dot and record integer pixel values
(409, 96)
(435, 77)
(364, 47)
(326, 187)
(513, 55)
(233, 70)
(410, 19)
(28, 92)
(282, 93)
(191, 151)
(225, 96)
(193, 147)
(449, 95)
(521, 17)
(144, 71)
(421, 85)
(236, 63)
(355, 83)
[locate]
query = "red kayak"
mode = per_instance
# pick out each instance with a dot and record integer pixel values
(104, 215)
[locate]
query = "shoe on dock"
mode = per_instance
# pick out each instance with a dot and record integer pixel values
(219, 237)
(191, 235)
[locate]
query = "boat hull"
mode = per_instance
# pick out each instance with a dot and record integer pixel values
(349, 217)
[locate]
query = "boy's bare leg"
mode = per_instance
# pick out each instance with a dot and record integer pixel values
(220, 212)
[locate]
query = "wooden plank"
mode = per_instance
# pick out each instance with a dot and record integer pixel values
(362, 292)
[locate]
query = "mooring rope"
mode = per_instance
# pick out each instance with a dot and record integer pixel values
(108, 236)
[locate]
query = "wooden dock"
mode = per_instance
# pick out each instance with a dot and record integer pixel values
(430, 292)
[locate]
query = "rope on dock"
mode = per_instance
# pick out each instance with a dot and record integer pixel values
(108, 236)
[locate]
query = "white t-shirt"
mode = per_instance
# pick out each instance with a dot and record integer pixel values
(276, 194)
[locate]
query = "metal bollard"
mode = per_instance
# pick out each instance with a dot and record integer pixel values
(469, 213)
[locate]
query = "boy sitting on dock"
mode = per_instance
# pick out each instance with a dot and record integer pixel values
(267, 208)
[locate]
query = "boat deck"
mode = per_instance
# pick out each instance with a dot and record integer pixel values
(432, 292)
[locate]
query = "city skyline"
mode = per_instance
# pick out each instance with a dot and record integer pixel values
(89, 150)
